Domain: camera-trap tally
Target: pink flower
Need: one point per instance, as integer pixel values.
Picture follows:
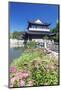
(19, 75)
(13, 69)
(22, 74)
(13, 80)
(25, 74)
(22, 83)
(30, 83)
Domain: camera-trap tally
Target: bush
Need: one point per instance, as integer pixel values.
(31, 44)
(34, 68)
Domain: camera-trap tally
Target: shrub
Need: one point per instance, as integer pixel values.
(34, 68)
(31, 44)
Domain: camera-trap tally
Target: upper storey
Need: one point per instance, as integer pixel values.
(38, 25)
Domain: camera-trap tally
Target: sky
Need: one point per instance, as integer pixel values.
(21, 13)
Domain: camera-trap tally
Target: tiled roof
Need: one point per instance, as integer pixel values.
(40, 32)
(38, 21)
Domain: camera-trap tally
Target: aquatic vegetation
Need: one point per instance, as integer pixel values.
(35, 67)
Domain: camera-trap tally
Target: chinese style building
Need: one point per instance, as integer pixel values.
(36, 30)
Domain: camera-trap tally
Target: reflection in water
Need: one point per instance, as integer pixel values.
(15, 53)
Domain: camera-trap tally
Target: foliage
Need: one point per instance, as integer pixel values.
(31, 44)
(56, 31)
(34, 68)
(10, 35)
(45, 37)
(16, 35)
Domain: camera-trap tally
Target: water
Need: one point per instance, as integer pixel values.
(15, 53)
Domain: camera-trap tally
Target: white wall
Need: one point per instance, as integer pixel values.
(38, 29)
(16, 43)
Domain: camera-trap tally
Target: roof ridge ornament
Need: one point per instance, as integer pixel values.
(38, 21)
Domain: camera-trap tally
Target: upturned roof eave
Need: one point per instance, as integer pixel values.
(44, 24)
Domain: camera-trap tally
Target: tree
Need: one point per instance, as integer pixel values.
(17, 35)
(56, 31)
(45, 37)
(10, 36)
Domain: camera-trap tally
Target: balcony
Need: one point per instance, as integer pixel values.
(39, 29)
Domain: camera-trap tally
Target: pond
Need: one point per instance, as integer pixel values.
(15, 53)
